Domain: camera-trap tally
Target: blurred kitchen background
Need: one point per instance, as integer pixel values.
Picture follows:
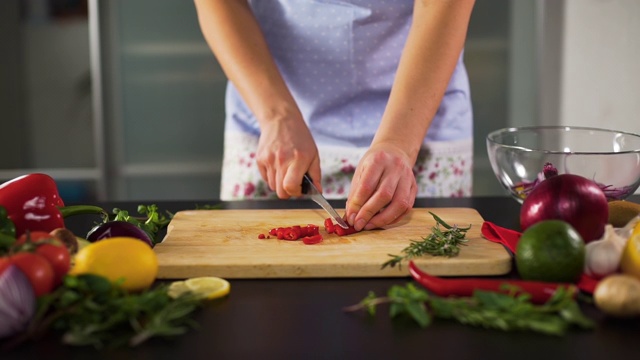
(123, 100)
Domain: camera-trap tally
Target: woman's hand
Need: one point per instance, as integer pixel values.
(286, 151)
(383, 188)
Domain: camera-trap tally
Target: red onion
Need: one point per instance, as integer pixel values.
(571, 198)
(116, 229)
(17, 301)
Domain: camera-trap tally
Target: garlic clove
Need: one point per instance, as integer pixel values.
(603, 255)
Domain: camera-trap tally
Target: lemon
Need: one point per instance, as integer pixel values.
(550, 250)
(127, 261)
(630, 260)
(205, 287)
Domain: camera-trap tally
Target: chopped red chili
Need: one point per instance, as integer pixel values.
(329, 227)
(310, 233)
(291, 234)
(311, 230)
(313, 239)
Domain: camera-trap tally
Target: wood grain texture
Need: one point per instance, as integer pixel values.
(225, 243)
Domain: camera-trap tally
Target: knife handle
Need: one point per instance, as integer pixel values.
(306, 180)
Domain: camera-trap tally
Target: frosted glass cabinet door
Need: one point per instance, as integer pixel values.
(166, 94)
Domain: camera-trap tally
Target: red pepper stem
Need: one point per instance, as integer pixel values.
(71, 210)
(539, 291)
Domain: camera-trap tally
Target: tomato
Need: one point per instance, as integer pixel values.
(37, 269)
(58, 256)
(34, 236)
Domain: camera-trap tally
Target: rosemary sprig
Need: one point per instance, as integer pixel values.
(440, 242)
(491, 310)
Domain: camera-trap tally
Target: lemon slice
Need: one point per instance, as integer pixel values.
(206, 287)
(176, 289)
(630, 260)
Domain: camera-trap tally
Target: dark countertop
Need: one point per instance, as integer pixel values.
(302, 318)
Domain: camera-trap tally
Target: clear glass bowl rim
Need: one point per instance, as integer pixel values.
(565, 128)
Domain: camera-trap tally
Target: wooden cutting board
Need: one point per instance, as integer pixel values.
(225, 243)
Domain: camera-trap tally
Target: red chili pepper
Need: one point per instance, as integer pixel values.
(291, 234)
(261, 236)
(540, 291)
(32, 203)
(340, 231)
(313, 239)
(297, 230)
(312, 230)
(329, 227)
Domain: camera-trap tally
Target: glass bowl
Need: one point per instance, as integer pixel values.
(522, 157)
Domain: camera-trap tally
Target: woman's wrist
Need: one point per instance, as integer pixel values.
(277, 111)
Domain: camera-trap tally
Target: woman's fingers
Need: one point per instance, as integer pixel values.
(401, 203)
(363, 186)
(382, 191)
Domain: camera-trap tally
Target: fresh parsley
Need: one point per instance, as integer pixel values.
(89, 310)
(491, 310)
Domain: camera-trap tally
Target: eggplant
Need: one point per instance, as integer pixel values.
(117, 229)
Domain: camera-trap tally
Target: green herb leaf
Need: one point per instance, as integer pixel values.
(491, 310)
(439, 243)
(88, 310)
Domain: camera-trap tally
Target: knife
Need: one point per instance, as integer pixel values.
(309, 189)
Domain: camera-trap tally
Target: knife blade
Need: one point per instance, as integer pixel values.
(309, 189)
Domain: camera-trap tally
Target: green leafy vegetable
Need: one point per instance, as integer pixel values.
(492, 310)
(440, 242)
(151, 221)
(7, 231)
(89, 310)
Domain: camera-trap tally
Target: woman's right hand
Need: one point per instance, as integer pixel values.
(286, 151)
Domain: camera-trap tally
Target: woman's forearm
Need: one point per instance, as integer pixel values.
(429, 58)
(234, 36)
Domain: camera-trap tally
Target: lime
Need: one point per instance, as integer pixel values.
(552, 251)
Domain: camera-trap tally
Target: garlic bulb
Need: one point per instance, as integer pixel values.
(603, 255)
(626, 231)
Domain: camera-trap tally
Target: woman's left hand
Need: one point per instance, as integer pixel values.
(383, 188)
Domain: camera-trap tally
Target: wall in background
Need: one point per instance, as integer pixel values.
(600, 64)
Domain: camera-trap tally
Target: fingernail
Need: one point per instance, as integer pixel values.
(360, 224)
(352, 219)
(369, 226)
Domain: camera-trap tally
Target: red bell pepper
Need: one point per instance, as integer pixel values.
(32, 203)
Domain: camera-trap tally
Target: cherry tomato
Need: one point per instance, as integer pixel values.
(34, 236)
(58, 256)
(37, 269)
